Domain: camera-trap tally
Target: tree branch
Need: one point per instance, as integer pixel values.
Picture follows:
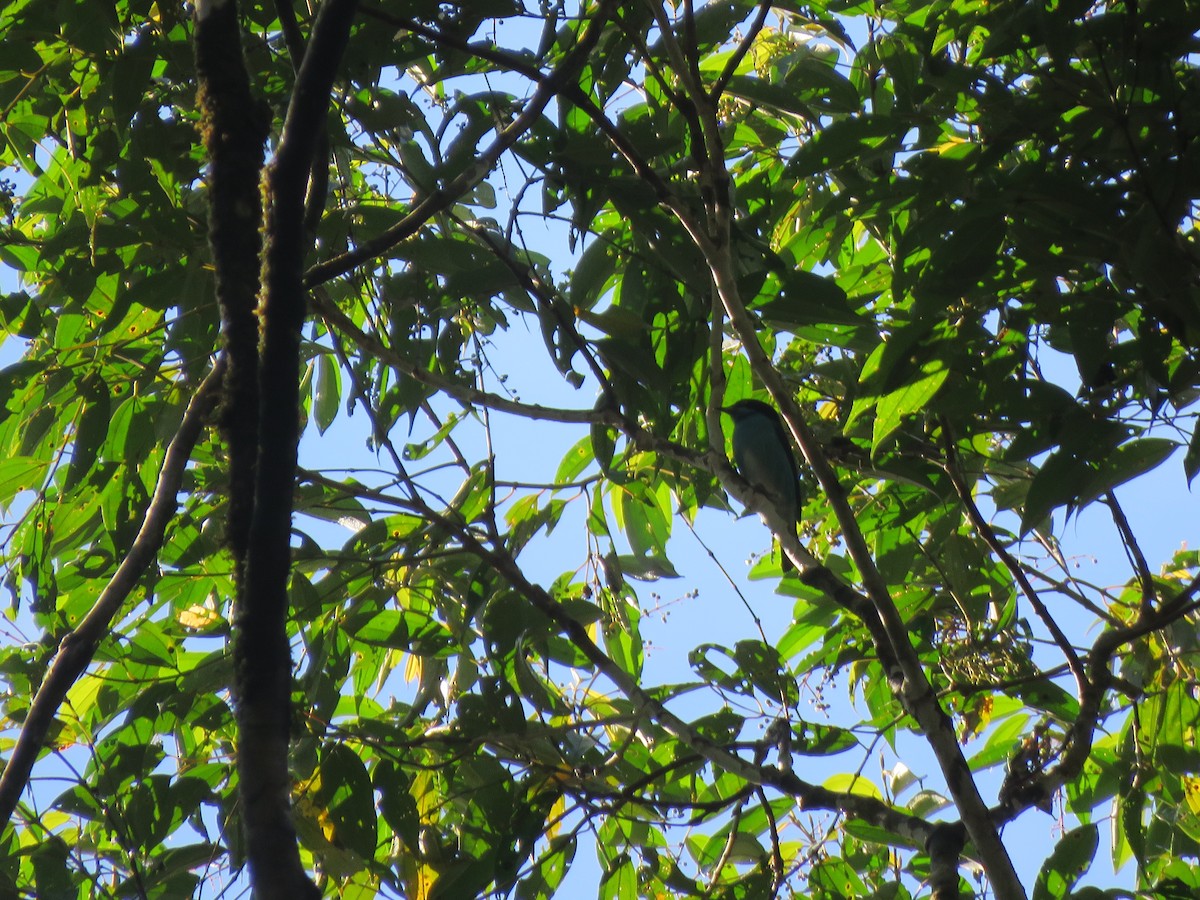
(464, 393)
(743, 47)
(781, 778)
(543, 294)
(77, 648)
(981, 525)
(235, 128)
(1079, 738)
(262, 654)
(443, 197)
(1136, 558)
(907, 677)
(812, 572)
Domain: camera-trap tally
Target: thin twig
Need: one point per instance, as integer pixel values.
(1078, 741)
(810, 796)
(760, 18)
(953, 469)
(442, 198)
(1134, 551)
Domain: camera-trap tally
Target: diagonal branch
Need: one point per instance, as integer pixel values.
(814, 574)
(909, 682)
(78, 647)
(760, 18)
(1134, 551)
(908, 679)
(442, 198)
(781, 778)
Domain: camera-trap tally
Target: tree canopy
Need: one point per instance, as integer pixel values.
(954, 243)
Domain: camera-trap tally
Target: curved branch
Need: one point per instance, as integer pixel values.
(78, 647)
(1079, 738)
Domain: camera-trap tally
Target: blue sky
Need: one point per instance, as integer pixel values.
(702, 606)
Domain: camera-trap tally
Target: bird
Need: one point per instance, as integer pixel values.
(763, 455)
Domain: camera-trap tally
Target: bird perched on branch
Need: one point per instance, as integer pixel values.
(763, 454)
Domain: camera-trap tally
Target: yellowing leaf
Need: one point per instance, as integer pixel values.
(199, 616)
(1191, 786)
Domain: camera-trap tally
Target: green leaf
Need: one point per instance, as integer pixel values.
(438, 253)
(643, 517)
(90, 430)
(808, 299)
(800, 636)
(815, 739)
(1191, 461)
(406, 630)
(711, 672)
(851, 783)
(475, 494)
(1126, 463)
(835, 877)
(604, 446)
(347, 799)
(762, 663)
(926, 803)
(593, 273)
(619, 879)
(844, 141)
(646, 568)
(1058, 482)
(914, 397)
(396, 802)
(18, 474)
(815, 79)
(772, 96)
(1048, 696)
(574, 461)
(1071, 858)
(624, 645)
(1001, 743)
(327, 392)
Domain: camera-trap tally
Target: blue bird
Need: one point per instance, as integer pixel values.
(763, 454)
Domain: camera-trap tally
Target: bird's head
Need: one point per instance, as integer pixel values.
(745, 410)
